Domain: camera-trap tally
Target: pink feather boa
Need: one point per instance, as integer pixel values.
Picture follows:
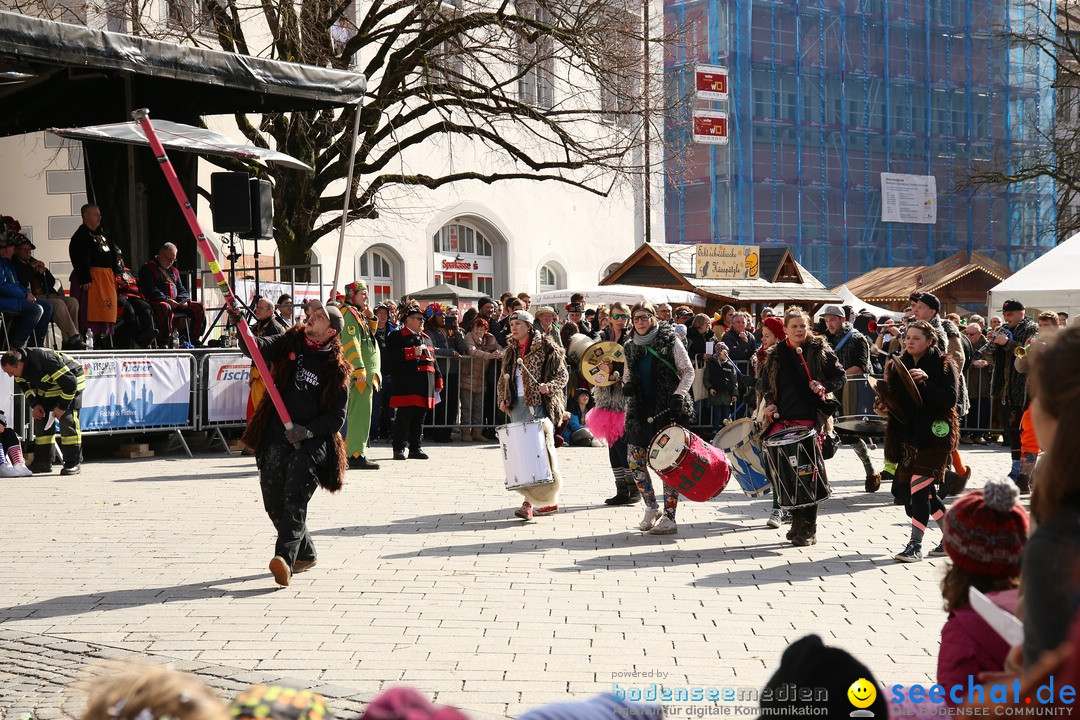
(608, 425)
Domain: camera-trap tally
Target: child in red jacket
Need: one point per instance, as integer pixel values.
(985, 532)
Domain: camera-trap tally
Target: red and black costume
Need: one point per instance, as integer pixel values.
(410, 361)
(159, 285)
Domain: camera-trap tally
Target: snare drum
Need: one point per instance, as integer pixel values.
(688, 464)
(743, 447)
(796, 467)
(525, 454)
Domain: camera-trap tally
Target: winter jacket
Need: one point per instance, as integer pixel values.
(723, 377)
(783, 381)
(969, 646)
(657, 388)
(544, 362)
(740, 351)
(1006, 383)
(410, 361)
(12, 293)
(475, 365)
(50, 378)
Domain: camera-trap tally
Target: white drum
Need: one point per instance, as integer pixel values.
(525, 454)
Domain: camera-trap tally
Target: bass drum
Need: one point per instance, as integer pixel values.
(688, 464)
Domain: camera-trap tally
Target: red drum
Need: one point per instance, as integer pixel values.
(688, 464)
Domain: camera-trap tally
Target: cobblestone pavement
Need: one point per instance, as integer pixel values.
(425, 578)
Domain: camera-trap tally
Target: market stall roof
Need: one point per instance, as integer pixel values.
(667, 265)
(629, 294)
(895, 284)
(56, 74)
(177, 136)
(446, 291)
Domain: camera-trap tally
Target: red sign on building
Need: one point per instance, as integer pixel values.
(711, 82)
(710, 127)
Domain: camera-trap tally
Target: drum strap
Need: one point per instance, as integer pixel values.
(843, 341)
(664, 360)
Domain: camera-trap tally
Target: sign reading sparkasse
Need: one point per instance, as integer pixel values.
(728, 262)
(460, 265)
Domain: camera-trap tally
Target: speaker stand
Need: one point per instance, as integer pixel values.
(232, 257)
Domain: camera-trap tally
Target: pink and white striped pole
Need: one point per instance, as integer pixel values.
(142, 116)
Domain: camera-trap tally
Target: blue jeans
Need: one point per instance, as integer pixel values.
(523, 413)
(33, 319)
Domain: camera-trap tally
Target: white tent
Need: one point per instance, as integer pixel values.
(850, 298)
(1051, 282)
(608, 294)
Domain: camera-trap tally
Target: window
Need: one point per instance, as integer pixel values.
(549, 278)
(377, 271)
(536, 61)
(191, 16)
(461, 239)
(620, 87)
(485, 285)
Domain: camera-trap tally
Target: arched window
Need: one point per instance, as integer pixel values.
(550, 277)
(463, 257)
(610, 269)
(378, 272)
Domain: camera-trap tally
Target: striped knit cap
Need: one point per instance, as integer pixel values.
(985, 530)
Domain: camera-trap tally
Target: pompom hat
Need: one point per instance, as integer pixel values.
(985, 530)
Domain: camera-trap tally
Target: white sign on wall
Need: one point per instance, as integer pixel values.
(227, 387)
(908, 198)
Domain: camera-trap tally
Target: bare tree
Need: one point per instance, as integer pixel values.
(545, 90)
(1044, 40)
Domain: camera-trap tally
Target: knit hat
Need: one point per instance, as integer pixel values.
(434, 309)
(775, 325)
(985, 530)
(355, 287)
(809, 663)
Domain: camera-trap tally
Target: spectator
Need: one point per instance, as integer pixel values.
(93, 278)
(1063, 319)
(34, 276)
(285, 309)
(590, 321)
(696, 338)
(545, 322)
(976, 423)
(740, 341)
(727, 312)
(266, 324)
(481, 348)
(722, 384)
(569, 330)
(526, 300)
(683, 315)
(1049, 577)
(139, 692)
(995, 323)
(1009, 383)
(501, 330)
(33, 316)
(663, 312)
(576, 314)
(449, 346)
(137, 324)
(985, 532)
(160, 282)
(768, 312)
(487, 309)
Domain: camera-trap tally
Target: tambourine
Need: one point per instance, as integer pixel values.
(596, 355)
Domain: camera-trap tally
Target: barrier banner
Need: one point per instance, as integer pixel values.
(227, 387)
(131, 392)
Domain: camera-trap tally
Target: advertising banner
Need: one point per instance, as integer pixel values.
(711, 82)
(132, 392)
(908, 198)
(710, 127)
(227, 388)
(728, 262)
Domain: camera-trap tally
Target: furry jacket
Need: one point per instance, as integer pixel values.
(921, 439)
(823, 365)
(283, 370)
(669, 400)
(546, 362)
(1006, 382)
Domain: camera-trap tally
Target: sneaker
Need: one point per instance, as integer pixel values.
(666, 526)
(21, 470)
(776, 519)
(912, 553)
(549, 510)
(301, 565)
(280, 569)
(525, 512)
(651, 516)
(74, 469)
(8, 471)
(938, 551)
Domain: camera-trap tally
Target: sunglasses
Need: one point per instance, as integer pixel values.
(619, 316)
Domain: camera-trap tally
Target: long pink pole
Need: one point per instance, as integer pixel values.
(142, 116)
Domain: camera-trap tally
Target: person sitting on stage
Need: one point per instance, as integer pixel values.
(138, 325)
(160, 282)
(657, 378)
(33, 314)
(533, 387)
(796, 377)
(922, 432)
(36, 278)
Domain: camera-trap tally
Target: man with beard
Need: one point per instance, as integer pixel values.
(853, 351)
(1010, 383)
(312, 375)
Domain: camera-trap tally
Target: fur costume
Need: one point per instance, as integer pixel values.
(639, 431)
(909, 437)
(607, 420)
(546, 362)
(282, 372)
(819, 359)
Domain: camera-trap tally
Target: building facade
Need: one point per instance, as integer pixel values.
(825, 95)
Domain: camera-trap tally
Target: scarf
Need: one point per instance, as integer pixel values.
(647, 338)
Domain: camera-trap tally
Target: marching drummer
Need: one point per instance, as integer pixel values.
(533, 387)
(657, 379)
(795, 378)
(923, 429)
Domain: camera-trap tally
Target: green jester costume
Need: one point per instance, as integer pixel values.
(362, 352)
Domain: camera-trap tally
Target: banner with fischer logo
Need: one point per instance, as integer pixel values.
(228, 380)
(135, 392)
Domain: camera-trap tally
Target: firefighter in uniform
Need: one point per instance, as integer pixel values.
(53, 384)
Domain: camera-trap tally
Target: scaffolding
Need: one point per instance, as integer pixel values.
(827, 94)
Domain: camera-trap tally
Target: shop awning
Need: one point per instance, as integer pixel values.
(186, 138)
(56, 74)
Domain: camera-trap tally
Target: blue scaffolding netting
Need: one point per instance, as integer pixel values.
(825, 95)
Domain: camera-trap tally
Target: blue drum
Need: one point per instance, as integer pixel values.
(741, 443)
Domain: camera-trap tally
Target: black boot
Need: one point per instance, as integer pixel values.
(626, 492)
(807, 536)
(796, 528)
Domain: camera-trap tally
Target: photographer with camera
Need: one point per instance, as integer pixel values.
(1007, 382)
